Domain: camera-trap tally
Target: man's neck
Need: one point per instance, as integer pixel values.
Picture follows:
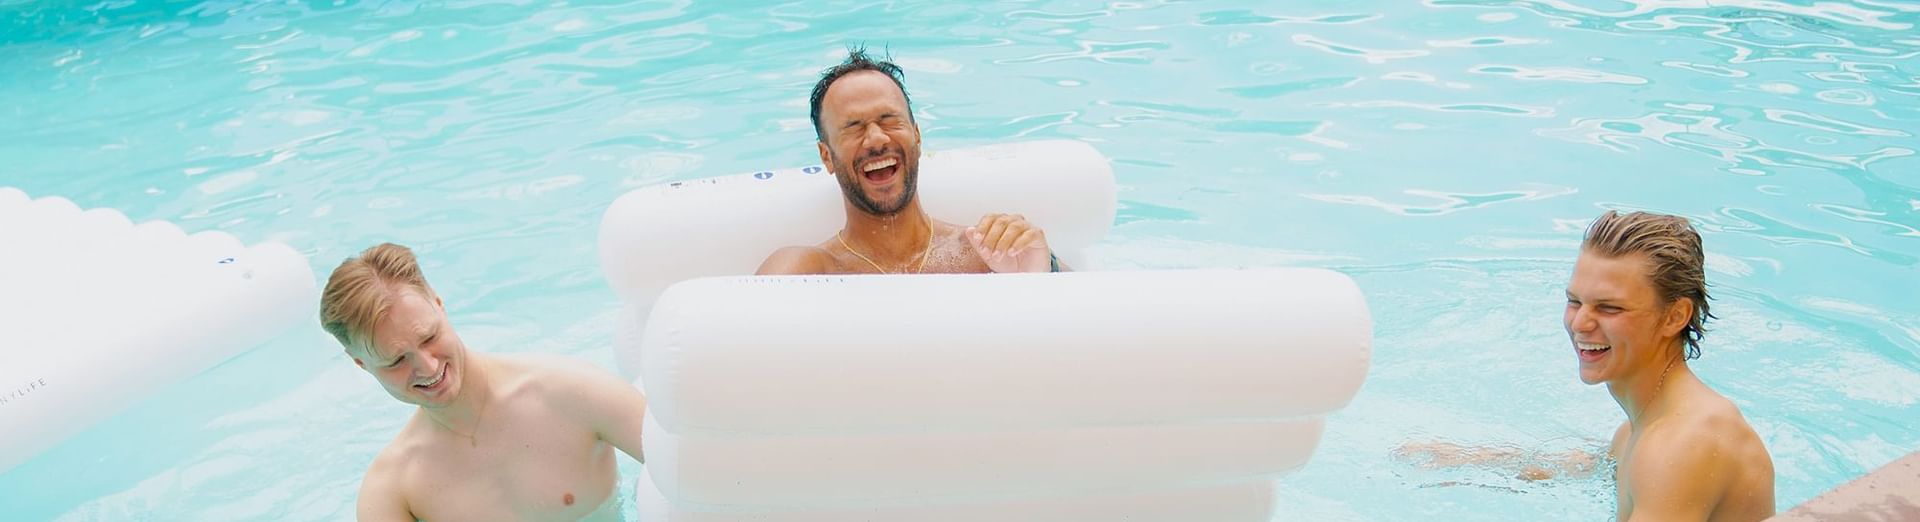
(890, 238)
(1638, 394)
(462, 416)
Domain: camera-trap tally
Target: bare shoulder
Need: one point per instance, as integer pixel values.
(593, 398)
(562, 380)
(1704, 436)
(383, 491)
(796, 260)
(1740, 446)
(547, 364)
(1713, 419)
(389, 465)
(400, 456)
(545, 371)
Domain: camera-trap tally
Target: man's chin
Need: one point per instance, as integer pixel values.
(1591, 377)
(874, 208)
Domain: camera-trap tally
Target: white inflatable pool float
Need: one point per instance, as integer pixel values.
(656, 236)
(98, 313)
(1148, 395)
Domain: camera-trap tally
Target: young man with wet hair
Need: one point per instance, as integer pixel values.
(1636, 312)
(1635, 315)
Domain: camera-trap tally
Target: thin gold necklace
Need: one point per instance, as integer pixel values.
(924, 254)
(471, 439)
(1662, 383)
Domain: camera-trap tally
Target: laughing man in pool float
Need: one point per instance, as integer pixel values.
(868, 138)
(1636, 311)
(494, 438)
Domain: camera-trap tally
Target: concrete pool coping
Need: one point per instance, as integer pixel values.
(1887, 494)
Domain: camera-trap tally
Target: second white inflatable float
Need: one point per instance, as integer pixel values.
(98, 312)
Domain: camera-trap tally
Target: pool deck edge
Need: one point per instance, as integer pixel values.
(1887, 494)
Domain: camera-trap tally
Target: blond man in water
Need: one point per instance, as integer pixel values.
(1636, 311)
(494, 437)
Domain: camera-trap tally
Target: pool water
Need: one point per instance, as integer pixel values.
(1446, 154)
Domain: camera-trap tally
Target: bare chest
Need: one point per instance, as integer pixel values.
(947, 255)
(530, 469)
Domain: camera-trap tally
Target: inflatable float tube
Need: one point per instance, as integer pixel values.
(1140, 395)
(794, 398)
(99, 313)
(653, 237)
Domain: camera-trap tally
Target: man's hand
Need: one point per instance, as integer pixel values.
(1008, 243)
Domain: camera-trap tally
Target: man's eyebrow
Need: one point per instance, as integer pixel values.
(381, 359)
(1608, 299)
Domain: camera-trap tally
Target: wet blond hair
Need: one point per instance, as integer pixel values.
(1676, 263)
(360, 291)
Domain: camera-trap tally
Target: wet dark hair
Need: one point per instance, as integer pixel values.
(857, 60)
(1676, 263)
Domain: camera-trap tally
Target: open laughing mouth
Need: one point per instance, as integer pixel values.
(434, 385)
(880, 170)
(1590, 352)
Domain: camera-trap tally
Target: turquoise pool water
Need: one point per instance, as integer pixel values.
(1445, 153)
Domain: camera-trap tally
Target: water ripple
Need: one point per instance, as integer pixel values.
(1274, 90)
(1484, 41)
(1245, 17)
(1491, 108)
(1565, 74)
(1823, 123)
(1758, 224)
(1374, 56)
(1124, 53)
(1445, 202)
(1711, 135)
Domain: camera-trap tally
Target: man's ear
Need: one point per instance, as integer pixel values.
(826, 156)
(1679, 313)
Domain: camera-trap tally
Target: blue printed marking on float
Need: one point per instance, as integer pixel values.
(812, 170)
(226, 261)
(762, 175)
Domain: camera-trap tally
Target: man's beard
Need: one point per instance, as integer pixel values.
(909, 169)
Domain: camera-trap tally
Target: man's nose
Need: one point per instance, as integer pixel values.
(1582, 320)
(426, 367)
(874, 139)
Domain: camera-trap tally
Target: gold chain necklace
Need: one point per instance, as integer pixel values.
(471, 439)
(924, 255)
(1663, 381)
